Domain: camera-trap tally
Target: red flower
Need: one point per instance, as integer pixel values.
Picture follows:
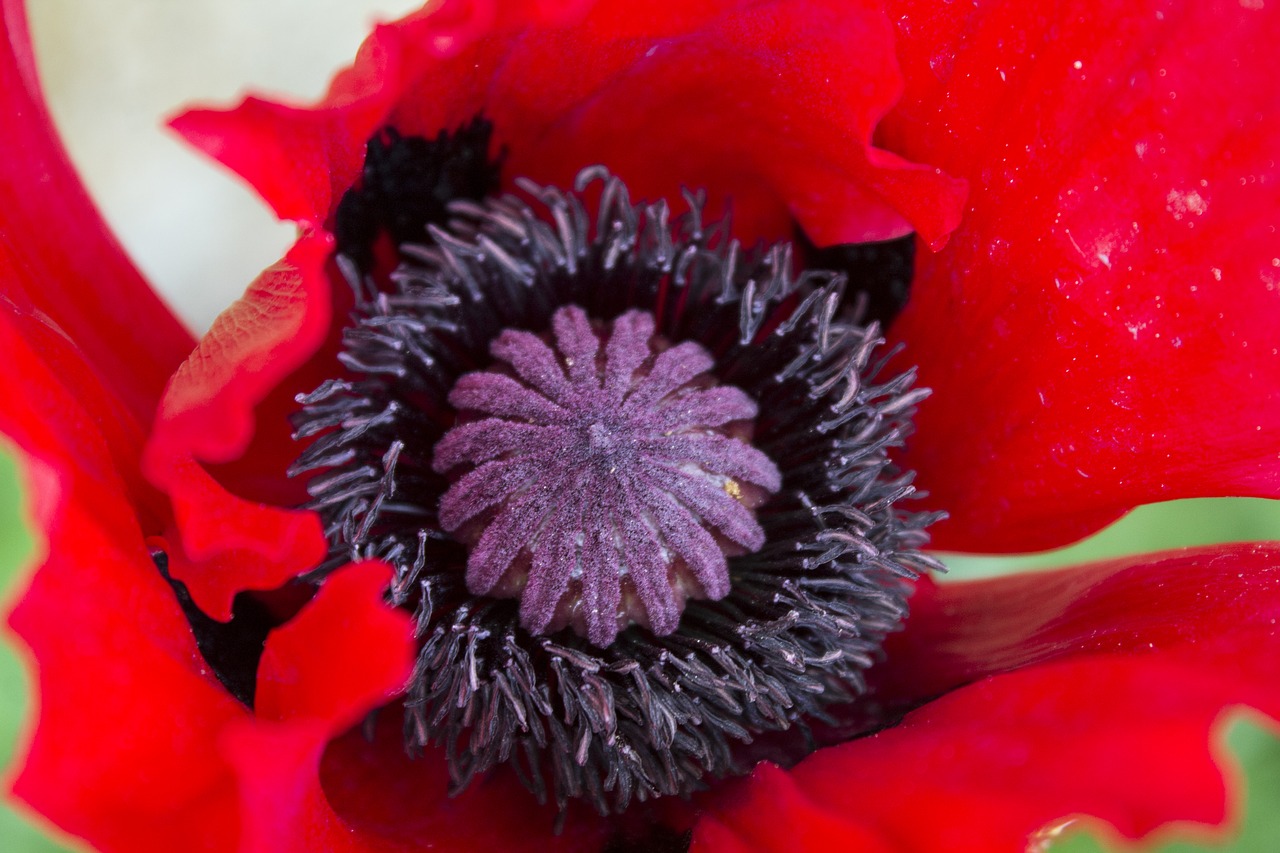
(1097, 325)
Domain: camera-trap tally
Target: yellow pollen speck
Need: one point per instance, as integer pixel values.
(733, 489)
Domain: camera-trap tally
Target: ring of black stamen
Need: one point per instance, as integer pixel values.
(882, 271)
(806, 615)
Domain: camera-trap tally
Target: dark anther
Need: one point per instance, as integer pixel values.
(232, 649)
(880, 273)
(406, 184)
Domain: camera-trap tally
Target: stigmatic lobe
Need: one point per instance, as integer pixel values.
(608, 481)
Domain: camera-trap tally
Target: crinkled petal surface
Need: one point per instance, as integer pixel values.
(137, 747)
(302, 790)
(1101, 331)
(1085, 691)
(235, 378)
(302, 159)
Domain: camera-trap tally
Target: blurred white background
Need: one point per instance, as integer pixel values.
(113, 70)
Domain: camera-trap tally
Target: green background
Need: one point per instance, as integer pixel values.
(1149, 528)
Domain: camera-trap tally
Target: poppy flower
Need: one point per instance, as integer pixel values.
(281, 562)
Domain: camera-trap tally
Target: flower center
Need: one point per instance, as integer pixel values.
(634, 482)
(607, 485)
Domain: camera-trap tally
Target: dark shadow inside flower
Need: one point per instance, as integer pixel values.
(233, 648)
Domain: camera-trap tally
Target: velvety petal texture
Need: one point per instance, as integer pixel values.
(301, 159)
(1196, 604)
(226, 542)
(1101, 331)
(133, 748)
(1091, 691)
(80, 388)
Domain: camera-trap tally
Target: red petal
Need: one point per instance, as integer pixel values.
(752, 823)
(59, 258)
(404, 802)
(345, 654)
(1214, 604)
(223, 544)
(1100, 332)
(766, 103)
(58, 405)
(116, 656)
(770, 104)
(422, 74)
(116, 661)
(299, 161)
(228, 543)
(988, 767)
(106, 761)
(1095, 690)
(1099, 687)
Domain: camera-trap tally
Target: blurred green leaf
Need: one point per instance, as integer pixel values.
(16, 547)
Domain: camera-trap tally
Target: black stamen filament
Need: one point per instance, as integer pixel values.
(441, 266)
(739, 678)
